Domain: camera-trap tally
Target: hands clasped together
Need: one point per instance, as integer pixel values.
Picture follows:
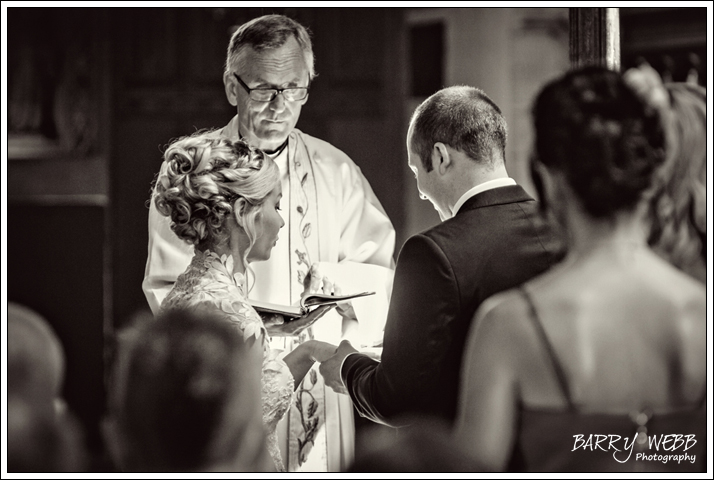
(328, 355)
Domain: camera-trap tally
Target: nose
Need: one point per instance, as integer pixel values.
(282, 221)
(278, 103)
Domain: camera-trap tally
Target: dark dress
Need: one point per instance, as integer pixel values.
(546, 438)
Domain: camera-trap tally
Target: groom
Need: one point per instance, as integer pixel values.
(490, 239)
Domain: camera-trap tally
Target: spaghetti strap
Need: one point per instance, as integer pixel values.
(559, 373)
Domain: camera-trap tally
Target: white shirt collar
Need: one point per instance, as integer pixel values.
(482, 187)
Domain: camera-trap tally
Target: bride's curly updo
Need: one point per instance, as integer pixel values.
(594, 129)
(204, 178)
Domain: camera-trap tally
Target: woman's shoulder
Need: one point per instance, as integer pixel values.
(503, 318)
(504, 306)
(674, 288)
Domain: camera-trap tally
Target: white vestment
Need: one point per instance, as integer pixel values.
(333, 218)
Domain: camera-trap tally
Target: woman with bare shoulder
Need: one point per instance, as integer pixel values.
(588, 366)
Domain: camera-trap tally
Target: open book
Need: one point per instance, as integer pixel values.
(306, 303)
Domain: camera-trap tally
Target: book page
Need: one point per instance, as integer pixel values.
(313, 299)
(371, 311)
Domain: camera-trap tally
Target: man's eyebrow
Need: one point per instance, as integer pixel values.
(265, 84)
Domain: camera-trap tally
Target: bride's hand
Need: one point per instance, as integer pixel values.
(321, 351)
(278, 327)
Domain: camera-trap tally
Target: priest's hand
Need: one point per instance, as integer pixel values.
(316, 282)
(330, 368)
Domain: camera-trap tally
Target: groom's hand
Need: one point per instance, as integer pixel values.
(330, 368)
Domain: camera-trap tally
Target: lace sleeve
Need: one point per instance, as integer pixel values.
(278, 386)
(276, 379)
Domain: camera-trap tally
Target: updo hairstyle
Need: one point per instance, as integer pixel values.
(678, 213)
(204, 178)
(591, 127)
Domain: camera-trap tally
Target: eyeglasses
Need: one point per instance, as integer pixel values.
(291, 94)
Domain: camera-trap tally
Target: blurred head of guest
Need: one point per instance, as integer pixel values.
(42, 435)
(269, 68)
(221, 195)
(456, 140)
(186, 397)
(596, 143)
(427, 446)
(40, 441)
(35, 359)
(678, 206)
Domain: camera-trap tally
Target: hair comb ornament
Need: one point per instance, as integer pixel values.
(256, 160)
(248, 157)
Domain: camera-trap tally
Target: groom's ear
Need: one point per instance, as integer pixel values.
(440, 158)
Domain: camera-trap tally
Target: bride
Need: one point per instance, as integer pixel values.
(224, 198)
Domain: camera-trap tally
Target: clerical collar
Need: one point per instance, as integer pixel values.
(275, 153)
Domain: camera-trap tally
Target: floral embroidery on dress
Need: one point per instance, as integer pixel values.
(209, 280)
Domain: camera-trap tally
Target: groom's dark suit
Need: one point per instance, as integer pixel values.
(495, 242)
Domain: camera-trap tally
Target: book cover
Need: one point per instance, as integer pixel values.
(307, 302)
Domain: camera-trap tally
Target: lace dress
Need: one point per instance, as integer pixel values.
(209, 280)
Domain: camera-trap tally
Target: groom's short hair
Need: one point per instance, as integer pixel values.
(464, 118)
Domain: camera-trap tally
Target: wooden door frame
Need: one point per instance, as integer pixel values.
(595, 37)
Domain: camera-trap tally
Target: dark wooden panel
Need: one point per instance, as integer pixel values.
(136, 159)
(672, 40)
(645, 29)
(595, 37)
(56, 88)
(146, 46)
(203, 35)
(55, 266)
(426, 52)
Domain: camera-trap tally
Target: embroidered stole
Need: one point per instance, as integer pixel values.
(306, 427)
